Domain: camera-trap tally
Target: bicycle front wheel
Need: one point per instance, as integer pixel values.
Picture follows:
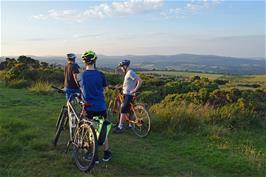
(85, 147)
(142, 122)
(61, 122)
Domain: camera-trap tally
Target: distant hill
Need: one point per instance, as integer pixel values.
(186, 62)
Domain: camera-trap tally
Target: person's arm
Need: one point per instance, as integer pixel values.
(104, 82)
(137, 79)
(138, 84)
(75, 74)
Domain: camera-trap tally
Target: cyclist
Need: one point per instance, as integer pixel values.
(71, 72)
(92, 84)
(132, 83)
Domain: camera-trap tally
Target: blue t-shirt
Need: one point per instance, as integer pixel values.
(92, 83)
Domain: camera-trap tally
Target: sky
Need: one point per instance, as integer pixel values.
(133, 27)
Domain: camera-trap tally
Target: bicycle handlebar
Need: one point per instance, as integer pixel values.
(115, 87)
(58, 89)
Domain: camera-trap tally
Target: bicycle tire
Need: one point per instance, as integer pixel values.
(77, 145)
(60, 127)
(143, 122)
(59, 117)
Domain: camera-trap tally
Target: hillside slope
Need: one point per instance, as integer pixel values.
(27, 125)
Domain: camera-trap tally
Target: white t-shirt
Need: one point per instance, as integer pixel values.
(130, 82)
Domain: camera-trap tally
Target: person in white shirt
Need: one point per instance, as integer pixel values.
(132, 83)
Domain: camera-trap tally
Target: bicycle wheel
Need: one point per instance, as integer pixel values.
(85, 147)
(142, 124)
(59, 117)
(114, 112)
(61, 122)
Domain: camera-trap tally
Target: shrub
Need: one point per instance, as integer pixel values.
(42, 87)
(230, 108)
(220, 81)
(18, 83)
(180, 118)
(150, 97)
(2, 75)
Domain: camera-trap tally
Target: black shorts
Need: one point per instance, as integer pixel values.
(126, 104)
(91, 114)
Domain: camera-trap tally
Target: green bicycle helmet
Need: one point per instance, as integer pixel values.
(89, 57)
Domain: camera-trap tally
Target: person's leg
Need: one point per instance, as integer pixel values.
(107, 153)
(125, 109)
(70, 91)
(122, 120)
(67, 91)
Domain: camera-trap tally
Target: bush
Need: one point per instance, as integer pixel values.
(229, 108)
(150, 97)
(2, 75)
(43, 87)
(220, 81)
(18, 83)
(180, 118)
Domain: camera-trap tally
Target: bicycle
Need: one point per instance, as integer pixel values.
(138, 117)
(82, 133)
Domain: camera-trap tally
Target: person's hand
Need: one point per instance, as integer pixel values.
(132, 92)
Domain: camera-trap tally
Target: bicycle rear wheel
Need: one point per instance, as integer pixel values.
(114, 112)
(61, 122)
(142, 124)
(85, 147)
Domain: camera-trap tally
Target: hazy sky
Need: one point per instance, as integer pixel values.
(138, 27)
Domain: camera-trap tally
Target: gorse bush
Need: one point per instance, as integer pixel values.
(30, 70)
(180, 118)
(231, 108)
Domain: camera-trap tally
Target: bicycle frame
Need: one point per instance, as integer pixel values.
(70, 110)
(119, 97)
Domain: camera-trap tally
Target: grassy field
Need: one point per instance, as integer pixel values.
(185, 74)
(27, 123)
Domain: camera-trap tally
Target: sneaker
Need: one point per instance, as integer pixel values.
(97, 161)
(130, 126)
(118, 130)
(107, 156)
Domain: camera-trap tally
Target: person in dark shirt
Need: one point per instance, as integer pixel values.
(71, 72)
(92, 84)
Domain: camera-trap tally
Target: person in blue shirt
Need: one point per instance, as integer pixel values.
(93, 83)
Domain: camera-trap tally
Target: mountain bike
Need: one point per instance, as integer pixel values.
(138, 117)
(82, 133)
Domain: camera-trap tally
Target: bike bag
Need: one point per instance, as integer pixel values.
(102, 129)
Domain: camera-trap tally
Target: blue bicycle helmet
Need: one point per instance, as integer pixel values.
(71, 56)
(124, 63)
